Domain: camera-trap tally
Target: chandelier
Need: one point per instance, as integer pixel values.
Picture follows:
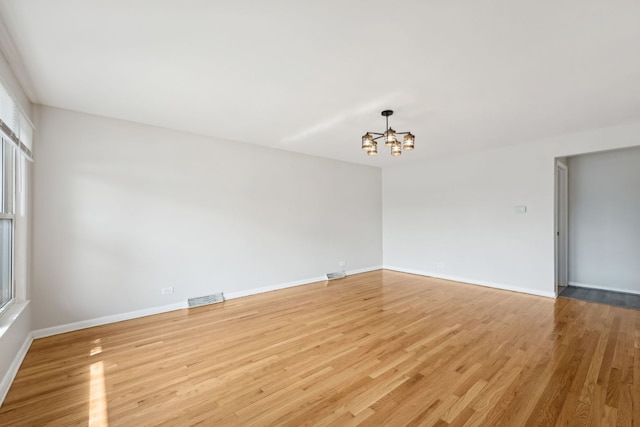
(390, 136)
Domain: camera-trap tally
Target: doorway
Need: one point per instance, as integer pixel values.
(562, 226)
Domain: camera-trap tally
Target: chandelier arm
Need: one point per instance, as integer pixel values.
(402, 133)
(375, 133)
(378, 137)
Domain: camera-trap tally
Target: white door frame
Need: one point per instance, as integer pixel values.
(561, 230)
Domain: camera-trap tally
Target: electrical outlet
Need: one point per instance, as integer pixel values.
(168, 290)
(342, 263)
(440, 264)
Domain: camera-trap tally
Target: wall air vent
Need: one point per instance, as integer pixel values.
(205, 300)
(336, 275)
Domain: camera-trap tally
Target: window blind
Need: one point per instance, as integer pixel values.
(14, 123)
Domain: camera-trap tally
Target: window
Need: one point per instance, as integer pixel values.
(15, 148)
(6, 261)
(7, 220)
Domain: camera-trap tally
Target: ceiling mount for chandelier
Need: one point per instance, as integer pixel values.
(390, 136)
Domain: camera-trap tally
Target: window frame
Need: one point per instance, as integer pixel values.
(16, 143)
(12, 263)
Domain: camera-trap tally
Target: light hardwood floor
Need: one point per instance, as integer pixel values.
(380, 348)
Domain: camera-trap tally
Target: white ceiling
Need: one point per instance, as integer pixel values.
(312, 76)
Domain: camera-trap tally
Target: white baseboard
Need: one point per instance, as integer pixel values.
(5, 384)
(254, 291)
(363, 270)
(604, 288)
(473, 281)
(83, 324)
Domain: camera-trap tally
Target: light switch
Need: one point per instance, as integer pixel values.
(521, 209)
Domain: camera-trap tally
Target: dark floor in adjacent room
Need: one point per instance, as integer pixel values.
(618, 299)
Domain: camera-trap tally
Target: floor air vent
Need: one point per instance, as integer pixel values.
(207, 299)
(336, 275)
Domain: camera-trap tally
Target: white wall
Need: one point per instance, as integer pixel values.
(122, 210)
(604, 220)
(454, 217)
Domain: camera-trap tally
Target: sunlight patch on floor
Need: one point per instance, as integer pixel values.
(98, 416)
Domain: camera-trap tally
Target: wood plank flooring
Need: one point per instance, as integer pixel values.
(379, 348)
